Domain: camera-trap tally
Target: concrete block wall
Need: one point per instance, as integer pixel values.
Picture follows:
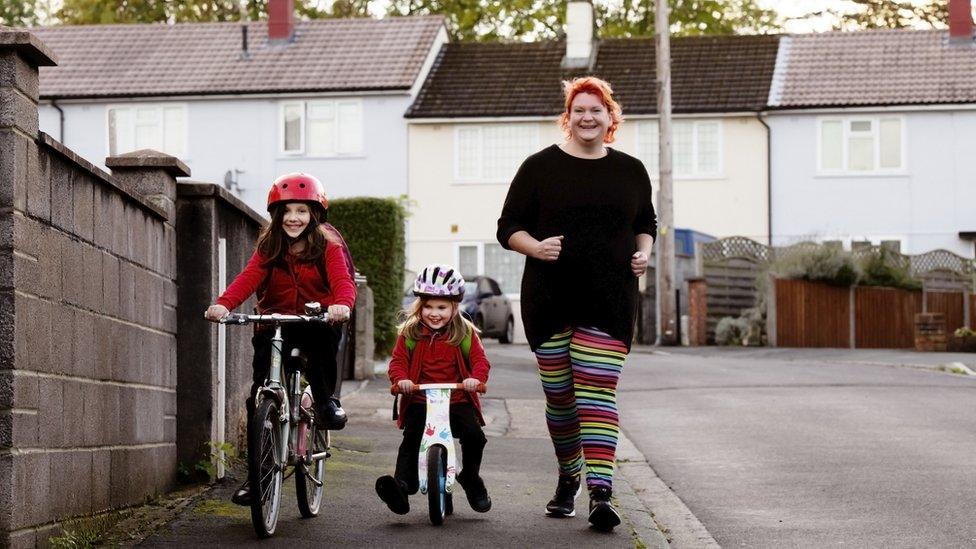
(87, 319)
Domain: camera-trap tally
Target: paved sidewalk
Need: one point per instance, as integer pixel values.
(518, 471)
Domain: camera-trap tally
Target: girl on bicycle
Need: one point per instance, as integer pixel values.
(429, 350)
(299, 259)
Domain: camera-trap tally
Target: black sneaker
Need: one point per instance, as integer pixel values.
(330, 415)
(475, 491)
(243, 495)
(562, 503)
(603, 516)
(394, 494)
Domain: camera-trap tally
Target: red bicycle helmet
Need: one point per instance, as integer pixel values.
(297, 187)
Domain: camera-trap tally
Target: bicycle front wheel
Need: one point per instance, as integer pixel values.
(311, 474)
(265, 469)
(437, 484)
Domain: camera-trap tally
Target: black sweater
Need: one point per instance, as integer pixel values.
(599, 206)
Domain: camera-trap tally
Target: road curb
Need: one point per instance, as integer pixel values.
(675, 523)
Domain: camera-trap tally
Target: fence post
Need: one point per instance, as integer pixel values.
(771, 310)
(852, 334)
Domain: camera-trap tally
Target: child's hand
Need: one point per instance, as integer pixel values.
(471, 384)
(338, 313)
(405, 386)
(215, 313)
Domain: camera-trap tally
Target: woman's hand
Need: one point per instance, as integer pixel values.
(470, 384)
(638, 263)
(549, 249)
(215, 313)
(405, 386)
(338, 313)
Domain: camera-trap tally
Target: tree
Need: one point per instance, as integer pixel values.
(19, 13)
(894, 14)
(523, 19)
(78, 12)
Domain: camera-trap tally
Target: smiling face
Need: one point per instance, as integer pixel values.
(296, 218)
(437, 313)
(588, 119)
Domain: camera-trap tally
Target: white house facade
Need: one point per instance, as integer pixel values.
(873, 136)
(329, 101)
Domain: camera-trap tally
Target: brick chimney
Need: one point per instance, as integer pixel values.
(580, 42)
(281, 21)
(960, 21)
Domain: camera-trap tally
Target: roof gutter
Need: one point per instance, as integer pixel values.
(54, 103)
(769, 178)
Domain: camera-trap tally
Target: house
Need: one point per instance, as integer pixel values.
(241, 103)
(486, 106)
(873, 136)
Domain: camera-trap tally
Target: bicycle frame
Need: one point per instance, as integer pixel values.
(437, 431)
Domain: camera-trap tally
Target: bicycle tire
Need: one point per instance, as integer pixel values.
(436, 484)
(309, 493)
(265, 470)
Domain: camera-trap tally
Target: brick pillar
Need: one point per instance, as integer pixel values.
(152, 174)
(697, 312)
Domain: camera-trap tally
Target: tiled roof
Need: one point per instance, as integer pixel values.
(709, 74)
(205, 58)
(882, 67)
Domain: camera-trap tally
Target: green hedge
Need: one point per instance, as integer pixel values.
(373, 229)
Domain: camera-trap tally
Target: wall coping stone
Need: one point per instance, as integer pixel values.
(28, 45)
(149, 158)
(71, 156)
(192, 189)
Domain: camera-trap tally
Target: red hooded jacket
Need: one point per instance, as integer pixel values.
(290, 289)
(433, 349)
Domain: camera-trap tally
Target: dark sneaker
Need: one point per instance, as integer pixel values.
(563, 503)
(330, 415)
(603, 516)
(477, 494)
(243, 495)
(394, 494)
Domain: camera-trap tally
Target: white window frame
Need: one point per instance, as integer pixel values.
(481, 261)
(481, 178)
(303, 135)
(281, 128)
(846, 122)
(185, 138)
(695, 174)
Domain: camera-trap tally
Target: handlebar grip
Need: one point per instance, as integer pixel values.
(233, 318)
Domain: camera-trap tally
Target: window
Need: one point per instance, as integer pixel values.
(492, 153)
(157, 127)
(861, 145)
(322, 127)
(696, 148)
(490, 259)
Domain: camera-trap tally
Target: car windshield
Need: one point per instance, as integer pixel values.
(470, 290)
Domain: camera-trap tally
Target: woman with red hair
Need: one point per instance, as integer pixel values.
(581, 213)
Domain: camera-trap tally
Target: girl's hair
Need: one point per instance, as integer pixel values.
(273, 243)
(602, 90)
(457, 328)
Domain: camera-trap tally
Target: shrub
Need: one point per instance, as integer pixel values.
(731, 331)
(373, 228)
(881, 267)
(818, 263)
(964, 332)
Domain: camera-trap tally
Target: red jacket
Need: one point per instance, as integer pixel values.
(289, 289)
(434, 347)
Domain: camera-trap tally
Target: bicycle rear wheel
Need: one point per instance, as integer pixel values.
(437, 484)
(265, 469)
(310, 492)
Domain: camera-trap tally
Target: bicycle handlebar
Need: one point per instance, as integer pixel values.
(395, 389)
(273, 318)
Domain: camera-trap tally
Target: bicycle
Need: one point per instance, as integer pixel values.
(437, 464)
(282, 431)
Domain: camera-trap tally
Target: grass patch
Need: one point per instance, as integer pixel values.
(222, 508)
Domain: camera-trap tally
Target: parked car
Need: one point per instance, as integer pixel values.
(485, 305)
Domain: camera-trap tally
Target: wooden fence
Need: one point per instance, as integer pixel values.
(884, 318)
(810, 314)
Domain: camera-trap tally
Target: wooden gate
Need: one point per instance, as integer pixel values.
(884, 318)
(812, 314)
(951, 304)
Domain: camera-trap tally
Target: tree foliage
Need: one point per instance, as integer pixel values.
(18, 13)
(886, 14)
(488, 20)
(78, 12)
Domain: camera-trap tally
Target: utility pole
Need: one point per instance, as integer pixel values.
(666, 302)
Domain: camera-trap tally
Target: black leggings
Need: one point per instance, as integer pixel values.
(464, 426)
(318, 342)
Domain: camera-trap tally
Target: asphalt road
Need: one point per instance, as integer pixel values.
(809, 449)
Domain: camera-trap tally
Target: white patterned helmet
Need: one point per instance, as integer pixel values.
(439, 280)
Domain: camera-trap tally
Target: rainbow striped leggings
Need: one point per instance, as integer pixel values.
(579, 369)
